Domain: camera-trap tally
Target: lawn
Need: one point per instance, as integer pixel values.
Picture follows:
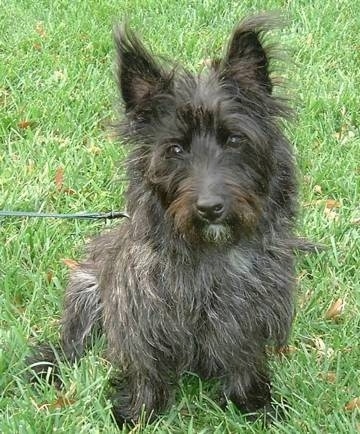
(57, 154)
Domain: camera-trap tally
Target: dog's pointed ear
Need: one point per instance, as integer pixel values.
(247, 60)
(139, 76)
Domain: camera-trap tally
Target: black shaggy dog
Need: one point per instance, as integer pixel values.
(201, 277)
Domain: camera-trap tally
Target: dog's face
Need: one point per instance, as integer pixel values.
(204, 144)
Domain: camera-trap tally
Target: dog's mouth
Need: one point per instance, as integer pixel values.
(216, 233)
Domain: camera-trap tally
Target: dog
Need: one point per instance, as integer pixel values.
(201, 277)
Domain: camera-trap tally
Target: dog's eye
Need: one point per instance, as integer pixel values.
(174, 150)
(234, 141)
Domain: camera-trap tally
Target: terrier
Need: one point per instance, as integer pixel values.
(201, 277)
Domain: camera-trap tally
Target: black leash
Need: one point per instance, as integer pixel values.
(84, 215)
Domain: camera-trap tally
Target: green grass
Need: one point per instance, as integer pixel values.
(56, 73)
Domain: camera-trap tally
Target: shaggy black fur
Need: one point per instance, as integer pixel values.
(201, 278)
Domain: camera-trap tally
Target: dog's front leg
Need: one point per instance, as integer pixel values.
(138, 393)
(248, 390)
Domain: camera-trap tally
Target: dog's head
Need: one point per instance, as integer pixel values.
(204, 144)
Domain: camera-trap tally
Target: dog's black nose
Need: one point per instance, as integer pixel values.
(210, 208)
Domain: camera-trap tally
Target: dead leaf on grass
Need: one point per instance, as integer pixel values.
(61, 402)
(336, 309)
(69, 191)
(330, 376)
(70, 263)
(59, 178)
(25, 124)
(332, 203)
(329, 204)
(49, 276)
(345, 134)
(353, 404)
(59, 182)
(322, 349)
